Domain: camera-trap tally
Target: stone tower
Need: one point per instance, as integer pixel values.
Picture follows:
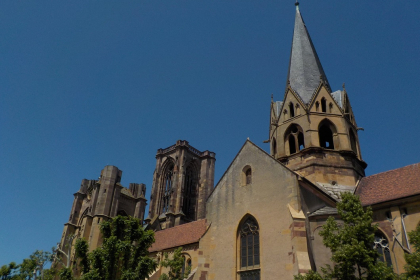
(99, 200)
(313, 130)
(182, 181)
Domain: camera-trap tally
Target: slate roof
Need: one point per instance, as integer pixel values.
(390, 185)
(278, 107)
(126, 192)
(178, 236)
(305, 69)
(335, 190)
(338, 97)
(324, 211)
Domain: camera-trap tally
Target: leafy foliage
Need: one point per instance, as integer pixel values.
(412, 267)
(8, 271)
(30, 268)
(66, 274)
(312, 275)
(176, 265)
(351, 244)
(123, 255)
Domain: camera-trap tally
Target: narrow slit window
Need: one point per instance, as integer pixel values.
(292, 110)
(324, 105)
(248, 176)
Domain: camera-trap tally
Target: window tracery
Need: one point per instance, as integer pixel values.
(382, 247)
(249, 250)
(295, 139)
(167, 189)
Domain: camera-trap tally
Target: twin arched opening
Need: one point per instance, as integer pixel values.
(294, 139)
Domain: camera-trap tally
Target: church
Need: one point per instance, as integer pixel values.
(262, 219)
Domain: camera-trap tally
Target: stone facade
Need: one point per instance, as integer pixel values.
(262, 219)
(182, 181)
(101, 199)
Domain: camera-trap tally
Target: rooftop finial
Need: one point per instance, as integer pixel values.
(297, 5)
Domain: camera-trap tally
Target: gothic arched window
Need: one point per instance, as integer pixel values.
(167, 188)
(382, 246)
(249, 255)
(326, 136)
(292, 110)
(190, 193)
(324, 105)
(295, 139)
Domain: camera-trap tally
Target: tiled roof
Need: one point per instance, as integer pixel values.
(390, 185)
(178, 236)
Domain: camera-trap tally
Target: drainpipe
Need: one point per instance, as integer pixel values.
(405, 232)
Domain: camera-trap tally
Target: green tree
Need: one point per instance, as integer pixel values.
(351, 244)
(31, 268)
(412, 267)
(8, 271)
(177, 267)
(123, 254)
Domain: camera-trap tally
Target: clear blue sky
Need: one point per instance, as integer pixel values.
(84, 84)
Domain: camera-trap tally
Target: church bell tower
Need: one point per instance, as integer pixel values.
(182, 181)
(313, 130)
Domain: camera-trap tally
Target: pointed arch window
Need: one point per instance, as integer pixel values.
(295, 139)
(326, 136)
(292, 110)
(324, 105)
(317, 106)
(382, 247)
(190, 192)
(249, 249)
(330, 106)
(167, 188)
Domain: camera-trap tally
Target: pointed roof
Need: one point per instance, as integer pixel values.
(305, 69)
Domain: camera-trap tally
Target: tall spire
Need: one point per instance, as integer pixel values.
(305, 69)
